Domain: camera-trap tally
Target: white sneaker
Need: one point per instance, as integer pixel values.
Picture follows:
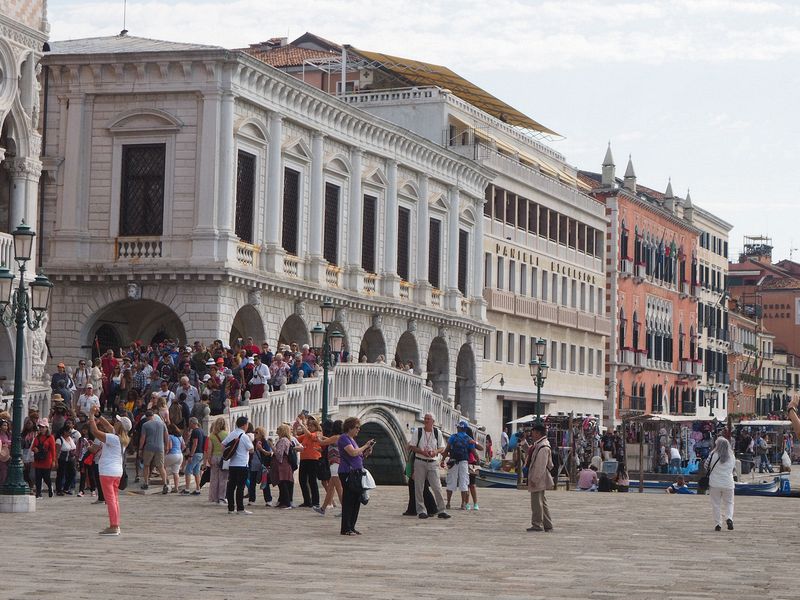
(244, 512)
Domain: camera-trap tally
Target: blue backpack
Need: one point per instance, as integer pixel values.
(459, 448)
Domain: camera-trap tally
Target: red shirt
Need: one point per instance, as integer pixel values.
(49, 443)
(108, 365)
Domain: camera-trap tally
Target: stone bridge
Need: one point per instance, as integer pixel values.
(390, 403)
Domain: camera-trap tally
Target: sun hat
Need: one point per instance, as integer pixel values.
(43, 423)
(126, 423)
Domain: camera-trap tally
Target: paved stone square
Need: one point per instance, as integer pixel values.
(605, 546)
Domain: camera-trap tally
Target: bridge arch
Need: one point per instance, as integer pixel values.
(388, 460)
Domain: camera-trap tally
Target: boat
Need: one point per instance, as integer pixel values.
(775, 486)
(492, 478)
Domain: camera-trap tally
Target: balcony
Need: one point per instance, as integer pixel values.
(626, 267)
(370, 283)
(723, 378)
(586, 321)
(686, 369)
(567, 316)
(548, 312)
(627, 357)
(247, 255)
(499, 300)
(689, 407)
(436, 297)
(527, 307)
(333, 276)
(641, 272)
(133, 248)
(697, 368)
(686, 289)
(291, 265)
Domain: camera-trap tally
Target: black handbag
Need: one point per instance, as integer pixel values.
(354, 482)
(704, 481)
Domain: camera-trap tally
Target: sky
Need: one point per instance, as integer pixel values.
(705, 92)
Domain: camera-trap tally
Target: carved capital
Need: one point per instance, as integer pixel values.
(23, 168)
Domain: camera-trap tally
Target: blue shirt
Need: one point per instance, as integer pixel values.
(176, 444)
(460, 445)
(348, 463)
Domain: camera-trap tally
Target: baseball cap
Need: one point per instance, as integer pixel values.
(462, 425)
(126, 423)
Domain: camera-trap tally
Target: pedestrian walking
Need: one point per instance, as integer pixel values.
(426, 450)
(308, 434)
(238, 446)
(113, 439)
(720, 466)
(351, 469)
(218, 482)
(459, 447)
(281, 472)
(44, 457)
(194, 456)
(540, 462)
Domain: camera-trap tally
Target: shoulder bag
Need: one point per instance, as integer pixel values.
(704, 481)
(228, 452)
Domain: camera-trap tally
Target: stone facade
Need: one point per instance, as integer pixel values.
(198, 279)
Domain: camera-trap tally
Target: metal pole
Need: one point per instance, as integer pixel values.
(641, 457)
(15, 483)
(325, 364)
(539, 383)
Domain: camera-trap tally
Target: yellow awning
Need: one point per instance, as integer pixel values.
(420, 73)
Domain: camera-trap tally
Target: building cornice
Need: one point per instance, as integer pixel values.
(714, 219)
(623, 193)
(22, 34)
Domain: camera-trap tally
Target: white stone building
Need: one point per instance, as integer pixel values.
(23, 34)
(196, 193)
(543, 237)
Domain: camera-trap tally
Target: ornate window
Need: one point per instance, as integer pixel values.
(245, 195)
(142, 192)
(291, 205)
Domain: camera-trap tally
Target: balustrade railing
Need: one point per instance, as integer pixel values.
(370, 283)
(138, 247)
(333, 275)
(291, 265)
(436, 297)
(7, 251)
(247, 254)
(405, 290)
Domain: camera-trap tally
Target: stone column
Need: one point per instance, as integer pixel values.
(422, 287)
(391, 280)
(452, 294)
(73, 184)
(273, 250)
(227, 176)
(316, 262)
(205, 230)
(24, 174)
(478, 303)
(355, 274)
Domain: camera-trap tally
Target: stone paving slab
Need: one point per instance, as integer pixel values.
(605, 546)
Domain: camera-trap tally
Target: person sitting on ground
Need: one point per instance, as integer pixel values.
(679, 487)
(587, 478)
(605, 483)
(622, 480)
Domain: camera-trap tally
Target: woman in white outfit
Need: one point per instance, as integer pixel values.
(720, 465)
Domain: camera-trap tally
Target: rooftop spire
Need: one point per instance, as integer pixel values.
(668, 194)
(608, 169)
(629, 181)
(609, 159)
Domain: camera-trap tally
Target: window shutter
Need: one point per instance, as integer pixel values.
(463, 260)
(142, 202)
(245, 192)
(435, 253)
(403, 228)
(368, 225)
(331, 231)
(291, 200)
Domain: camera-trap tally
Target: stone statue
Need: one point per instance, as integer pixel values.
(134, 291)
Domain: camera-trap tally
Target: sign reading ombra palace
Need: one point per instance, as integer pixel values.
(554, 267)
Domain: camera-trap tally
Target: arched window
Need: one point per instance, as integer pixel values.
(623, 242)
(621, 328)
(635, 331)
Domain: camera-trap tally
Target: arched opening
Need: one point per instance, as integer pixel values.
(387, 462)
(7, 142)
(438, 366)
(465, 381)
(407, 351)
(247, 323)
(144, 320)
(106, 337)
(372, 345)
(294, 330)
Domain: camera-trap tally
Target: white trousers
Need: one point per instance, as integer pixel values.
(721, 498)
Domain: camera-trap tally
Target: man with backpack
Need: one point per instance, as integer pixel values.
(427, 448)
(458, 448)
(237, 449)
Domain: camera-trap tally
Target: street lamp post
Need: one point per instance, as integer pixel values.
(539, 368)
(331, 343)
(15, 309)
(712, 394)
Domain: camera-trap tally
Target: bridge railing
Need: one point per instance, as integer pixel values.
(350, 385)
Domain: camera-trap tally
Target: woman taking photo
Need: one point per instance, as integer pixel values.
(351, 469)
(719, 466)
(65, 450)
(259, 462)
(44, 457)
(113, 441)
(281, 471)
(219, 478)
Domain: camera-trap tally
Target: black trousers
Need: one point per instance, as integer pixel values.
(253, 484)
(308, 482)
(351, 503)
(430, 502)
(285, 491)
(65, 474)
(237, 477)
(96, 478)
(43, 475)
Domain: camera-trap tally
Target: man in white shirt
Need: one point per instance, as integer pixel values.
(88, 403)
(260, 378)
(239, 466)
(427, 444)
(192, 395)
(674, 458)
(166, 393)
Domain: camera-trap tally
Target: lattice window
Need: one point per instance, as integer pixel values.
(369, 225)
(331, 232)
(245, 195)
(435, 253)
(291, 202)
(403, 241)
(142, 202)
(463, 260)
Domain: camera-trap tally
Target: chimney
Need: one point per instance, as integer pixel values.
(271, 43)
(608, 169)
(629, 182)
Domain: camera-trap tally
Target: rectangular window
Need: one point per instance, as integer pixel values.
(590, 241)
(571, 233)
(523, 279)
(553, 228)
(498, 346)
(403, 241)
(522, 213)
(487, 347)
(331, 230)
(534, 281)
(572, 353)
(521, 357)
(582, 360)
(581, 237)
(435, 254)
(142, 202)
(368, 228)
(598, 363)
(463, 260)
(500, 273)
(545, 280)
(553, 355)
(591, 299)
(600, 301)
(499, 204)
(511, 209)
(563, 356)
(583, 296)
(590, 368)
(544, 222)
(563, 228)
(291, 202)
(487, 202)
(573, 294)
(564, 291)
(510, 347)
(554, 288)
(532, 218)
(245, 195)
(512, 276)
(488, 263)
